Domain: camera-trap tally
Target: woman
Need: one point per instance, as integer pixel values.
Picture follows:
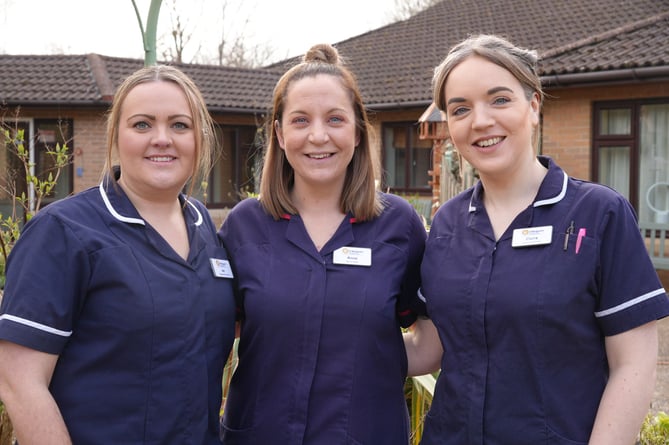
(540, 286)
(118, 313)
(327, 271)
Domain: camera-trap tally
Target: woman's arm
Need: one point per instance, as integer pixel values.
(632, 358)
(25, 375)
(423, 347)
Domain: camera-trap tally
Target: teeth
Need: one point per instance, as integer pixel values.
(320, 156)
(161, 158)
(489, 142)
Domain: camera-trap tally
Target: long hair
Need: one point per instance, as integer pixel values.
(359, 195)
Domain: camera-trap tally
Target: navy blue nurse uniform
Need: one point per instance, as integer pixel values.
(142, 334)
(523, 327)
(321, 356)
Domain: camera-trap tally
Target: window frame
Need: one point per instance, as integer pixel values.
(412, 130)
(633, 140)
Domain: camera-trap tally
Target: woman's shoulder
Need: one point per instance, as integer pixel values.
(247, 219)
(246, 208)
(74, 207)
(395, 203)
(400, 215)
(598, 194)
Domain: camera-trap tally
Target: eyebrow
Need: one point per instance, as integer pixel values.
(490, 92)
(331, 110)
(153, 117)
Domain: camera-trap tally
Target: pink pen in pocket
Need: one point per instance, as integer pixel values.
(579, 238)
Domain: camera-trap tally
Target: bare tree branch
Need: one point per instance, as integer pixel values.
(408, 8)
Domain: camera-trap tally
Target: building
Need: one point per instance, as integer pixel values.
(605, 67)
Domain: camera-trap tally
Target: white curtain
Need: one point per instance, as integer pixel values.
(654, 164)
(614, 168)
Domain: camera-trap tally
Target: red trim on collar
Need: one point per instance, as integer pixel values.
(351, 220)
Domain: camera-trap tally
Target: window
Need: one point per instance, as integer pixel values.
(236, 171)
(406, 159)
(40, 136)
(631, 154)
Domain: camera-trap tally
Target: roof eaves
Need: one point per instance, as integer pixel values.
(630, 75)
(398, 104)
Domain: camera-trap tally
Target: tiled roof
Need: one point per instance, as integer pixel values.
(579, 40)
(395, 63)
(92, 79)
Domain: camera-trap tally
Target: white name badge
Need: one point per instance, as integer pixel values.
(532, 236)
(353, 256)
(220, 268)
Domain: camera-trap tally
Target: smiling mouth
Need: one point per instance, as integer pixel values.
(320, 155)
(488, 142)
(161, 158)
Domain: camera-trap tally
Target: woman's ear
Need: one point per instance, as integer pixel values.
(279, 134)
(535, 106)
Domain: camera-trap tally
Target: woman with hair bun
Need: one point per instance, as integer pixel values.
(327, 272)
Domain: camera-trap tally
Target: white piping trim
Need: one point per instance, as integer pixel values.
(199, 215)
(35, 325)
(556, 198)
(421, 296)
(630, 303)
(114, 213)
(472, 208)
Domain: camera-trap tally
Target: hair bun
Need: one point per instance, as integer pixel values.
(322, 53)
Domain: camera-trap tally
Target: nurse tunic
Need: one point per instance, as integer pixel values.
(321, 356)
(142, 335)
(523, 327)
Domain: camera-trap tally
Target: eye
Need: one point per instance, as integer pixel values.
(501, 100)
(141, 125)
(181, 125)
(336, 119)
(458, 111)
(300, 120)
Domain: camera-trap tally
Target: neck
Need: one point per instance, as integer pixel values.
(520, 185)
(313, 200)
(155, 204)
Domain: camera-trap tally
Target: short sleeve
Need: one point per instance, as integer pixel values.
(43, 293)
(630, 291)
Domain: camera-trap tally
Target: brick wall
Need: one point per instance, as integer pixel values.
(89, 148)
(567, 120)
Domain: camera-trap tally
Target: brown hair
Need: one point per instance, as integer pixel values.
(359, 195)
(520, 62)
(203, 126)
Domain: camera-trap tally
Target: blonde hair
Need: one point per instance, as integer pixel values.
(359, 195)
(203, 125)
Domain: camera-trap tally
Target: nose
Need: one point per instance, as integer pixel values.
(319, 134)
(481, 117)
(161, 137)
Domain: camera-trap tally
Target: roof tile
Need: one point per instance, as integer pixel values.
(394, 63)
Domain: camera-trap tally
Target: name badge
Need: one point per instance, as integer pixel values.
(532, 236)
(353, 256)
(220, 268)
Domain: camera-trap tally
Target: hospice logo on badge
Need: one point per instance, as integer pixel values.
(532, 236)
